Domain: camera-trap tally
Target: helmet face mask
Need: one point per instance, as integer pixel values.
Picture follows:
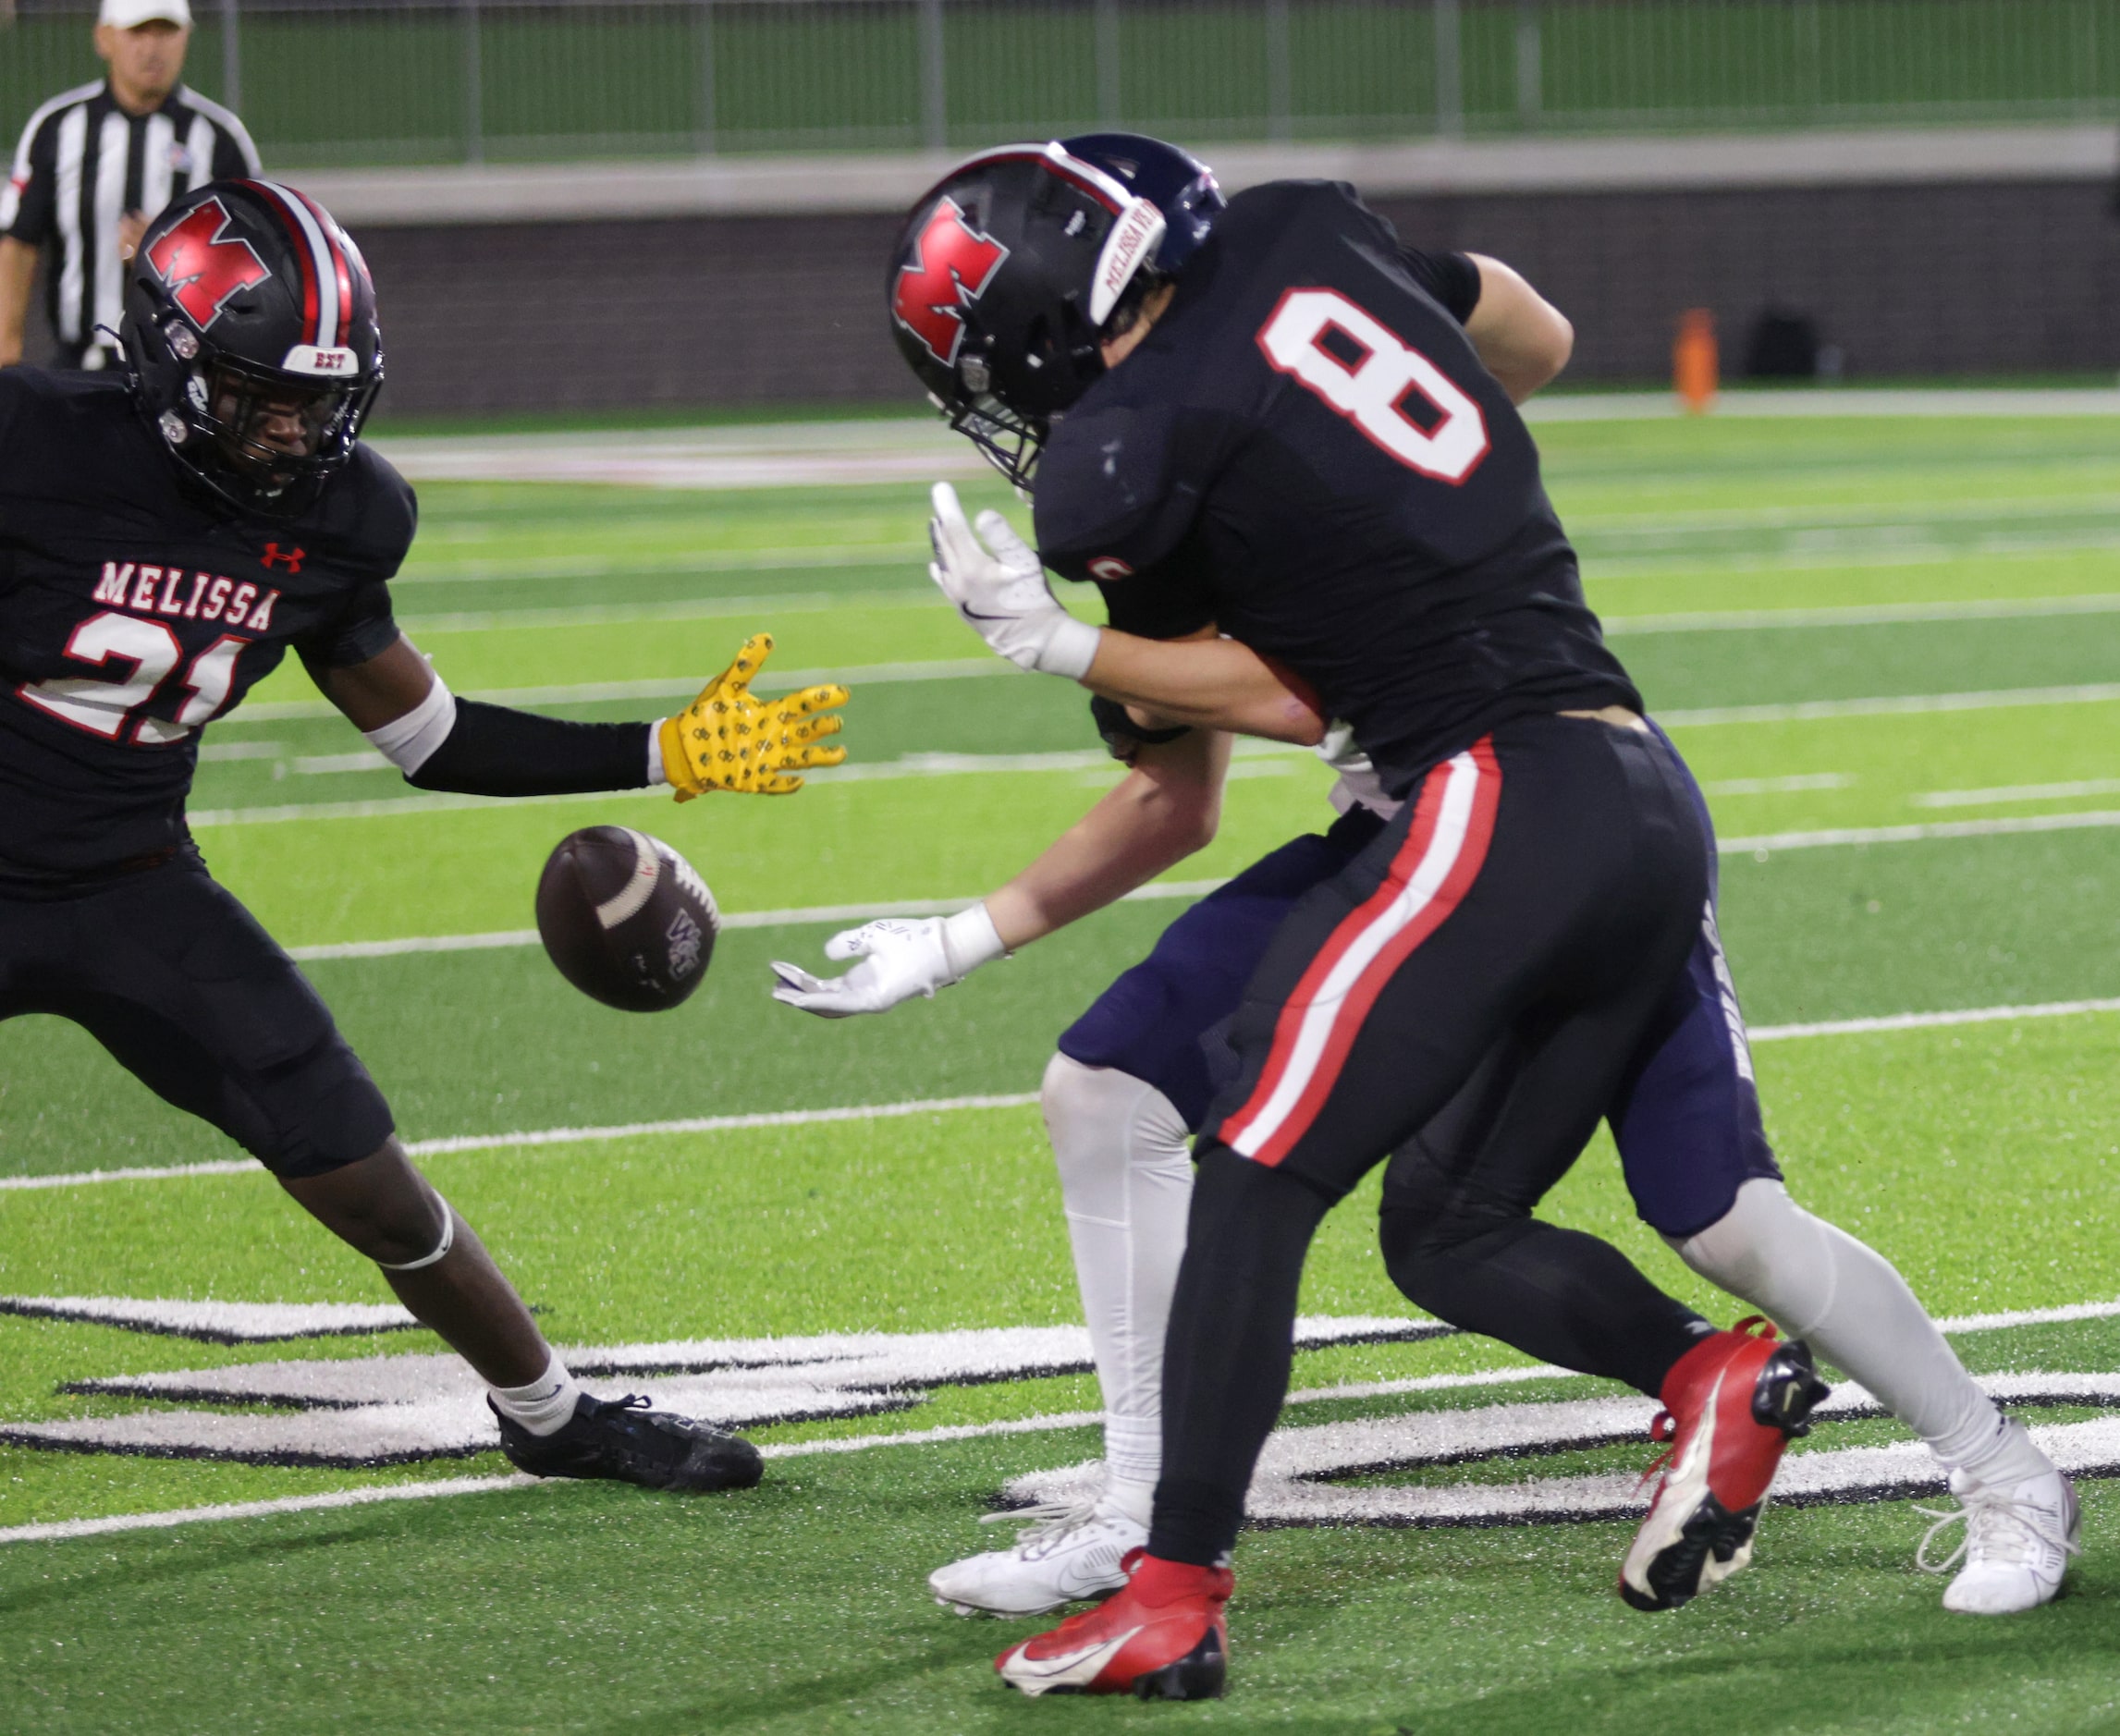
(249, 327)
(1007, 277)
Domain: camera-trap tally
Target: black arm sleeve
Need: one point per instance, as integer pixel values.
(494, 752)
(1452, 278)
(1124, 739)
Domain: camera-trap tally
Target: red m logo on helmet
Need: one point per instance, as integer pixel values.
(952, 264)
(204, 265)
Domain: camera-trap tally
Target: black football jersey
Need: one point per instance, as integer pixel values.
(1306, 451)
(134, 610)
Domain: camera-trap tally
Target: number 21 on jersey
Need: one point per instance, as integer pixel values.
(102, 705)
(1371, 391)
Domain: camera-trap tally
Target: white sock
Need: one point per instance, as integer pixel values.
(1820, 1284)
(543, 1407)
(1126, 1179)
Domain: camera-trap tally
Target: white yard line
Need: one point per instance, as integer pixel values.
(66, 1530)
(943, 1106)
(1933, 1020)
(1862, 614)
(1890, 705)
(1833, 838)
(595, 692)
(1155, 890)
(2018, 793)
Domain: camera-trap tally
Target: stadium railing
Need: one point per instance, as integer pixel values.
(353, 83)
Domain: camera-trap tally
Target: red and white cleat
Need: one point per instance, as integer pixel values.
(1162, 1636)
(1732, 1405)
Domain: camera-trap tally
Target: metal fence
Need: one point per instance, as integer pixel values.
(381, 81)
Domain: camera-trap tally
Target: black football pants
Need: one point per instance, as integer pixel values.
(170, 973)
(1535, 901)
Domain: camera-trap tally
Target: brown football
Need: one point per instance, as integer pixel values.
(627, 919)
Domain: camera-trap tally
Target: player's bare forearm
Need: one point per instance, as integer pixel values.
(17, 275)
(1523, 339)
(1209, 682)
(1165, 808)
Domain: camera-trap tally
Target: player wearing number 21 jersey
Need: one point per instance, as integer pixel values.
(134, 615)
(165, 538)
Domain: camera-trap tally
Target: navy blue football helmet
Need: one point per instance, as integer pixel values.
(1175, 181)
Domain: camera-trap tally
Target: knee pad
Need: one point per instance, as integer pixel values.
(1769, 1250)
(1104, 1126)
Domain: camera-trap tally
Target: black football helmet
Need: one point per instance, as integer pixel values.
(250, 328)
(1006, 275)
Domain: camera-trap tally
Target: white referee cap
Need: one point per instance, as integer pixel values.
(125, 13)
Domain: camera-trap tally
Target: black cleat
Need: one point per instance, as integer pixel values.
(626, 1441)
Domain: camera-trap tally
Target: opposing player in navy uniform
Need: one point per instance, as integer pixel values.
(165, 540)
(1458, 1231)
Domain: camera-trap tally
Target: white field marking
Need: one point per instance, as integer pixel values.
(911, 765)
(1804, 711)
(826, 555)
(1832, 403)
(1859, 615)
(721, 1123)
(1825, 553)
(1779, 785)
(811, 914)
(1885, 515)
(66, 1529)
(2017, 792)
(802, 1118)
(1837, 837)
(318, 764)
(594, 692)
(694, 609)
(60, 1531)
(218, 1322)
(142, 1172)
(1933, 1020)
(250, 749)
(376, 1409)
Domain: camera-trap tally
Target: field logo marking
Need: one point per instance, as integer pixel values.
(391, 1410)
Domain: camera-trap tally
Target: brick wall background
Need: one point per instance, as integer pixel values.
(1923, 280)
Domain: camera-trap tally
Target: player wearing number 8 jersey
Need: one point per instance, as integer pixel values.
(165, 540)
(1284, 436)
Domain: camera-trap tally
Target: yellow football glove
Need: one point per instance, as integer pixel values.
(729, 740)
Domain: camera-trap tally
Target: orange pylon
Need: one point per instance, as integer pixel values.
(1695, 364)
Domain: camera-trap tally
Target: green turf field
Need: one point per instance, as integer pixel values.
(1890, 651)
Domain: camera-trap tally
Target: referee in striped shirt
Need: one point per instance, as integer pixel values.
(95, 167)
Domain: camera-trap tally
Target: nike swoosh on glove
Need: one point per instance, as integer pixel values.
(999, 585)
(899, 956)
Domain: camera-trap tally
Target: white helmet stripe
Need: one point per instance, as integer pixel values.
(328, 311)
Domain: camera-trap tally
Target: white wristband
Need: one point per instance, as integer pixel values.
(1069, 649)
(970, 940)
(409, 742)
(655, 773)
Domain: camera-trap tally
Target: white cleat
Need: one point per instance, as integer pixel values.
(2019, 1538)
(1069, 1551)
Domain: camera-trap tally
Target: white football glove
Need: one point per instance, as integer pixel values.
(999, 585)
(900, 957)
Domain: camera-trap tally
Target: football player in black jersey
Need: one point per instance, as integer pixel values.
(1512, 936)
(165, 539)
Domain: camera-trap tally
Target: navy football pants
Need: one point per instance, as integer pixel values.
(170, 973)
(1685, 1114)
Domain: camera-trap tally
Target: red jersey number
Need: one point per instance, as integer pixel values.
(1371, 392)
